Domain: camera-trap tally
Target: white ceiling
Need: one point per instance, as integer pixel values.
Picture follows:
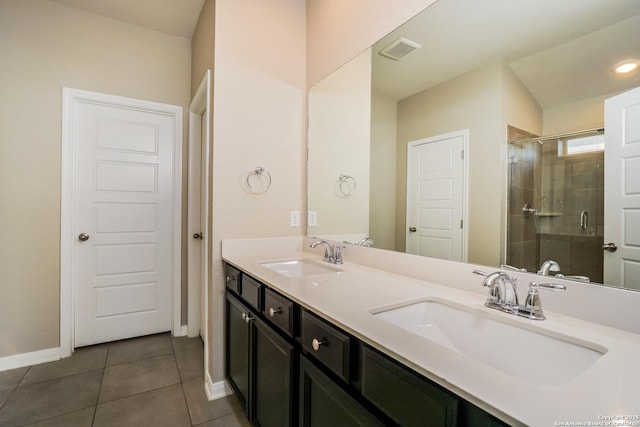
(562, 51)
(177, 17)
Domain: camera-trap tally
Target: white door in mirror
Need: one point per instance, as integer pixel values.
(435, 197)
(622, 190)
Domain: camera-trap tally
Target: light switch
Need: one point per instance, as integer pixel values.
(312, 219)
(294, 220)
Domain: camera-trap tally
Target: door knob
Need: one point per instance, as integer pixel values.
(83, 237)
(413, 229)
(198, 236)
(609, 247)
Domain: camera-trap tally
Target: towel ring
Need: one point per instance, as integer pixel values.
(263, 177)
(346, 185)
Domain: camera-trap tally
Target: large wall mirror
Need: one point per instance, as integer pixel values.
(476, 132)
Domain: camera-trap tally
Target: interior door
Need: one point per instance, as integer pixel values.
(435, 197)
(622, 190)
(123, 222)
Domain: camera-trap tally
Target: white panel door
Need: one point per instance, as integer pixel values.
(123, 204)
(622, 189)
(435, 197)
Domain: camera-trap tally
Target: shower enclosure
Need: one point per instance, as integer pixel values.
(556, 202)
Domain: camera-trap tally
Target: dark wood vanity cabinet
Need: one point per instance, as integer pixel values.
(260, 366)
(289, 366)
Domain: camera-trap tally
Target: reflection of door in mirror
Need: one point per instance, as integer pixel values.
(436, 199)
(622, 183)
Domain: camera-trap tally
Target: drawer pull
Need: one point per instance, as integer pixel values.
(231, 279)
(316, 344)
(274, 311)
(247, 318)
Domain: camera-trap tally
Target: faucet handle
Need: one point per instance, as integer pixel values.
(548, 286)
(533, 306)
(337, 257)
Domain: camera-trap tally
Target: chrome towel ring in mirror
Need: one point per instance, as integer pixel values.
(346, 185)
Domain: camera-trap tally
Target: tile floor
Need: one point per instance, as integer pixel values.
(149, 381)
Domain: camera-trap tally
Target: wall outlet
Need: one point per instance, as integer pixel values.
(294, 220)
(312, 219)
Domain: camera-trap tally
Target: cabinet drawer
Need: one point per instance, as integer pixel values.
(251, 291)
(327, 344)
(404, 396)
(278, 310)
(233, 278)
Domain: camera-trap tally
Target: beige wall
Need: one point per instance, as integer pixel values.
(45, 46)
(481, 101)
(577, 116)
(382, 212)
(338, 30)
(339, 141)
(259, 103)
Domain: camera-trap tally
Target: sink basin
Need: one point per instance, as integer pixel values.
(299, 268)
(545, 359)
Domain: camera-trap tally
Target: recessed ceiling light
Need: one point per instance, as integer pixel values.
(626, 66)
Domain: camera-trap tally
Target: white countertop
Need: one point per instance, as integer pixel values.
(608, 388)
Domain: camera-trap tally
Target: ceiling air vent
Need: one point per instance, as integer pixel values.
(400, 48)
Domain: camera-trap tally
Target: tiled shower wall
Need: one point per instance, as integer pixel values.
(524, 172)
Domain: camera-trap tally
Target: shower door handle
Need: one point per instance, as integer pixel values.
(584, 220)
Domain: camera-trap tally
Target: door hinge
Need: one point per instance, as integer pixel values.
(461, 223)
(462, 154)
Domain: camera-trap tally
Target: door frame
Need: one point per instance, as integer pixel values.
(196, 292)
(70, 97)
(465, 186)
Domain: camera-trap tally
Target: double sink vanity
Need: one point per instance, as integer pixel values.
(314, 343)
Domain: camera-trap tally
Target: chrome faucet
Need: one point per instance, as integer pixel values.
(367, 241)
(503, 296)
(332, 254)
(502, 291)
(549, 266)
(328, 250)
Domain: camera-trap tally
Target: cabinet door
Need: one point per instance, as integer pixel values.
(404, 396)
(324, 403)
(237, 348)
(272, 377)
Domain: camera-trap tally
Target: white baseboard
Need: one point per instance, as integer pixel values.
(27, 359)
(216, 390)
